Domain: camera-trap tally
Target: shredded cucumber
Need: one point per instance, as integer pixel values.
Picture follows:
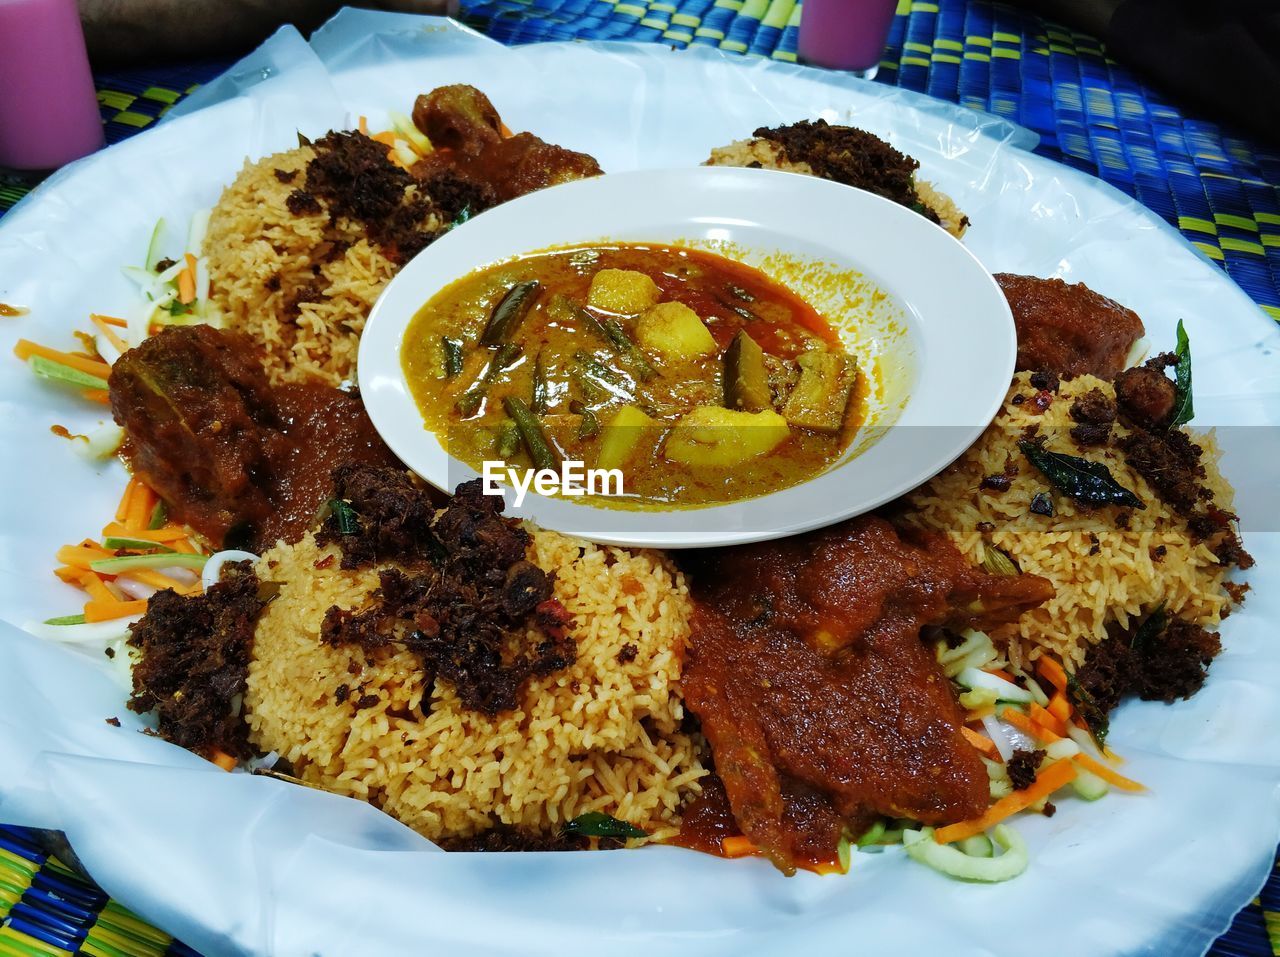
(66, 620)
(954, 862)
(844, 854)
(873, 834)
(404, 127)
(153, 247)
(977, 846)
(976, 679)
(64, 375)
(1088, 785)
(115, 566)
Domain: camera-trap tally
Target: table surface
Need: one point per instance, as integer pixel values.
(1221, 190)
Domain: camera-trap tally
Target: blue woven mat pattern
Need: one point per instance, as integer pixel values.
(1216, 187)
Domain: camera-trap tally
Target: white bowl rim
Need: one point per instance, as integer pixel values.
(962, 334)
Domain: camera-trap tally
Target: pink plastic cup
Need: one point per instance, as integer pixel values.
(48, 106)
(845, 34)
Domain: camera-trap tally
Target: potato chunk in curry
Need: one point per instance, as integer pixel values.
(624, 291)
(675, 332)
(713, 436)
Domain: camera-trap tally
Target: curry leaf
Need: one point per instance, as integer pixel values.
(1084, 481)
(344, 516)
(1183, 410)
(1149, 629)
(1098, 721)
(599, 824)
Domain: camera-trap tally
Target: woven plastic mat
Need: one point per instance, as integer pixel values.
(1218, 188)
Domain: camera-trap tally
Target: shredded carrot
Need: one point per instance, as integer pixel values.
(101, 396)
(223, 760)
(187, 281)
(981, 742)
(69, 574)
(104, 611)
(386, 138)
(123, 508)
(184, 546)
(738, 846)
(25, 349)
(364, 125)
(1053, 673)
(149, 576)
(162, 536)
(505, 130)
(141, 505)
(1001, 673)
(1027, 726)
(78, 556)
(1060, 707)
(110, 320)
(1108, 775)
(1043, 718)
(105, 328)
(92, 584)
(1049, 780)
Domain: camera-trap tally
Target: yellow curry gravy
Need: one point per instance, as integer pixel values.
(623, 393)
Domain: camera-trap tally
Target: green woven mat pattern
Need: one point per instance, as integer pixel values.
(46, 910)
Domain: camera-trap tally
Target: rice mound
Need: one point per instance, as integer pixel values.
(602, 735)
(1119, 580)
(768, 155)
(277, 277)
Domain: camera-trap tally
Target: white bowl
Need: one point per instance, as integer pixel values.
(940, 338)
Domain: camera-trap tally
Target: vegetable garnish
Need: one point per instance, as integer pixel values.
(1093, 716)
(1090, 483)
(1049, 780)
(981, 742)
(344, 515)
(64, 374)
(122, 563)
(738, 846)
(105, 611)
(1152, 626)
(1107, 774)
(65, 620)
(924, 846)
(25, 349)
(1182, 404)
(599, 824)
(114, 543)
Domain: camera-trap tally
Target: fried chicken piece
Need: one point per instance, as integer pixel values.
(241, 462)
(474, 157)
(822, 706)
(1068, 329)
(1146, 395)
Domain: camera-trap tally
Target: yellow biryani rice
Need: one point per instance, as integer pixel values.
(768, 155)
(272, 275)
(601, 735)
(1120, 578)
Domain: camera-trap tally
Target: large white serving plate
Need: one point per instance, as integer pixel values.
(920, 315)
(239, 865)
